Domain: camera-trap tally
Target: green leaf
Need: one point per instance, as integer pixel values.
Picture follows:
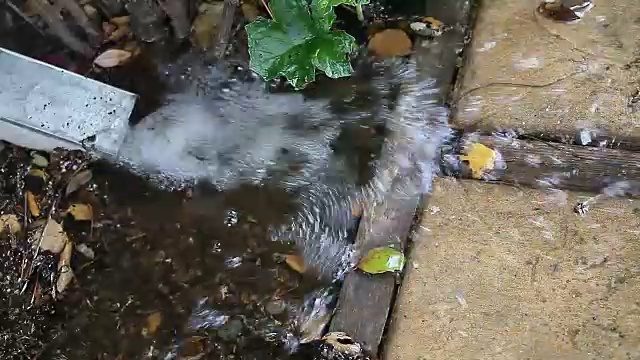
(381, 260)
(297, 41)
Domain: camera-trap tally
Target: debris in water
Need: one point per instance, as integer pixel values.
(295, 262)
(480, 159)
(429, 27)
(81, 212)
(153, 323)
(381, 260)
(390, 43)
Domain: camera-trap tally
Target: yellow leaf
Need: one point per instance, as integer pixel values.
(153, 323)
(112, 58)
(295, 262)
(9, 222)
(81, 212)
(34, 209)
(390, 42)
(480, 158)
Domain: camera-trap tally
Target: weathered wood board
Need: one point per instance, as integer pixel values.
(568, 167)
(365, 301)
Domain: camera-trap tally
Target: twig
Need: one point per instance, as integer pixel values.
(226, 24)
(23, 16)
(44, 229)
(266, 6)
(50, 15)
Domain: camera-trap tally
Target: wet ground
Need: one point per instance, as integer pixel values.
(189, 272)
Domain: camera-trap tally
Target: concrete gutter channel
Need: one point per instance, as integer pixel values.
(491, 268)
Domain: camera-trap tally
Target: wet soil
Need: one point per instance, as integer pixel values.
(201, 263)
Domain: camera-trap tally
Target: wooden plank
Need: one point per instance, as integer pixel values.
(365, 301)
(562, 166)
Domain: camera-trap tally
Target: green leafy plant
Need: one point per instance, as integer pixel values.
(300, 39)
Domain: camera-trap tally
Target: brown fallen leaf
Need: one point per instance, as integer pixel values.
(205, 25)
(557, 11)
(119, 33)
(153, 323)
(112, 58)
(78, 180)
(108, 28)
(65, 273)
(81, 212)
(390, 42)
(54, 238)
(32, 203)
(10, 223)
(295, 262)
(120, 20)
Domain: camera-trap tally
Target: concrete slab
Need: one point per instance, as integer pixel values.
(532, 73)
(502, 273)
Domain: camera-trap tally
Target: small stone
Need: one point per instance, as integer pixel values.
(276, 307)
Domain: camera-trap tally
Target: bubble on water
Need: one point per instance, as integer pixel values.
(203, 317)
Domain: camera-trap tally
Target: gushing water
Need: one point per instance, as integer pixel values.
(228, 130)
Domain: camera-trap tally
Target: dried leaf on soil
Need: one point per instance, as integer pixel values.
(54, 238)
(78, 180)
(120, 20)
(153, 323)
(81, 212)
(295, 262)
(205, 25)
(381, 260)
(390, 42)
(32, 203)
(65, 274)
(480, 159)
(112, 58)
(9, 222)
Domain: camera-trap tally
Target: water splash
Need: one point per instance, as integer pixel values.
(228, 130)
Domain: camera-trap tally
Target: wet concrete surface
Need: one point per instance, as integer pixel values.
(498, 272)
